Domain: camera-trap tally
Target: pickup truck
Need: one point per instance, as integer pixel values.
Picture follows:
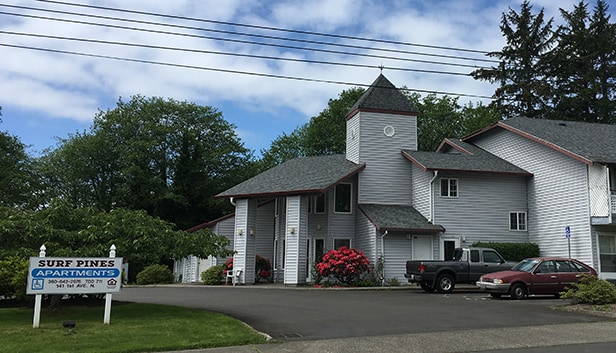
(467, 265)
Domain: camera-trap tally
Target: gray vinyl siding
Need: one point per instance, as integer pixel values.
(421, 190)
(557, 193)
(385, 165)
(341, 225)
(397, 252)
(297, 218)
(352, 141)
(366, 237)
(481, 210)
(226, 228)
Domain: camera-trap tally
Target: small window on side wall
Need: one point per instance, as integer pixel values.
(340, 242)
(517, 221)
(449, 187)
(319, 204)
(342, 198)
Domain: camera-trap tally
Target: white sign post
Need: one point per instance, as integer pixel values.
(81, 275)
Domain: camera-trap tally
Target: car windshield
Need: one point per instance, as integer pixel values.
(525, 265)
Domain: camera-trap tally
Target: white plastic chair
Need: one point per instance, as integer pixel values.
(234, 274)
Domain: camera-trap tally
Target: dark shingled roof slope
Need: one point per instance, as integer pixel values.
(398, 218)
(468, 158)
(297, 176)
(588, 142)
(383, 96)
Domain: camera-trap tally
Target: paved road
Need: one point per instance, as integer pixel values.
(293, 314)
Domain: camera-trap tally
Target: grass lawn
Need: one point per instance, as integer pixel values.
(133, 328)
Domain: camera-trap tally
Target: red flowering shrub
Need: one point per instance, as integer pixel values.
(345, 264)
(263, 268)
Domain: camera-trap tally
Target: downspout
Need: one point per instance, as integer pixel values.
(232, 200)
(382, 259)
(431, 218)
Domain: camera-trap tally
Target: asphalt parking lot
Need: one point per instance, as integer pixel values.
(303, 314)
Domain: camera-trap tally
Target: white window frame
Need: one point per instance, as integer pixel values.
(313, 204)
(516, 227)
(350, 198)
(344, 239)
(449, 193)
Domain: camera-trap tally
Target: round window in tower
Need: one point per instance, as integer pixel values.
(389, 131)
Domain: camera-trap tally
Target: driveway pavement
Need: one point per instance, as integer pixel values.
(294, 314)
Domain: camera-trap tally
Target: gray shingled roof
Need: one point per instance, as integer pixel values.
(593, 142)
(470, 159)
(384, 96)
(297, 176)
(398, 218)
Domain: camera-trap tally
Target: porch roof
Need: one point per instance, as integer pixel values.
(455, 155)
(587, 142)
(398, 218)
(302, 175)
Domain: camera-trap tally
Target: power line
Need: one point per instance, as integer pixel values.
(254, 35)
(226, 53)
(243, 41)
(305, 79)
(371, 40)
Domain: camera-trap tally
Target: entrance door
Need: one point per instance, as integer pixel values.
(447, 247)
(315, 251)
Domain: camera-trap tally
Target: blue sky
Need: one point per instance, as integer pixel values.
(45, 95)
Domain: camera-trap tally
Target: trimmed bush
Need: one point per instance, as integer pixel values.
(155, 274)
(591, 290)
(512, 251)
(346, 265)
(213, 275)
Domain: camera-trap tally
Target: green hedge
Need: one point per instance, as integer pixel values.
(212, 275)
(512, 251)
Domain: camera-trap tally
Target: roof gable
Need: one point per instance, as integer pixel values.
(586, 142)
(459, 156)
(297, 176)
(383, 96)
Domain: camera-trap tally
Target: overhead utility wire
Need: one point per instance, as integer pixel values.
(244, 41)
(226, 70)
(97, 41)
(306, 41)
(340, 36)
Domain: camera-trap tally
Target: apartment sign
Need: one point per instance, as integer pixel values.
(59, 275)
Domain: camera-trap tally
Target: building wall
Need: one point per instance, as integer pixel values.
(481, 210)
(557, 193)
(420, 184)
(387, 176)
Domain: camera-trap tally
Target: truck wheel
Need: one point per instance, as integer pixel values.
(426, 286)
(517, 291)
(445, 283)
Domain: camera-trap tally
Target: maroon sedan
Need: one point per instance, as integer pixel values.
(538, 275)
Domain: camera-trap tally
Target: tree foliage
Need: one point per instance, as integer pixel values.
(584, 66)
(521, 72)
(568, 73)
(18, 179)
(324, 134)
(441, 117)
(67, 231)
(162, 156)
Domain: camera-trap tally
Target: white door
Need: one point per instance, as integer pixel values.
(422, 247)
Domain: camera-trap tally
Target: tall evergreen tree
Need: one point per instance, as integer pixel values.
(583, 66)
(521, 73)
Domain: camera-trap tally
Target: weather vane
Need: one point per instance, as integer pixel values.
(381, 67)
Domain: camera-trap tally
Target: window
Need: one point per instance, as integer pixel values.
(316, 204)
(517, 220)
(492, 257)
(449, 187)
(340, 242)
(474, 255)
(342, 198)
